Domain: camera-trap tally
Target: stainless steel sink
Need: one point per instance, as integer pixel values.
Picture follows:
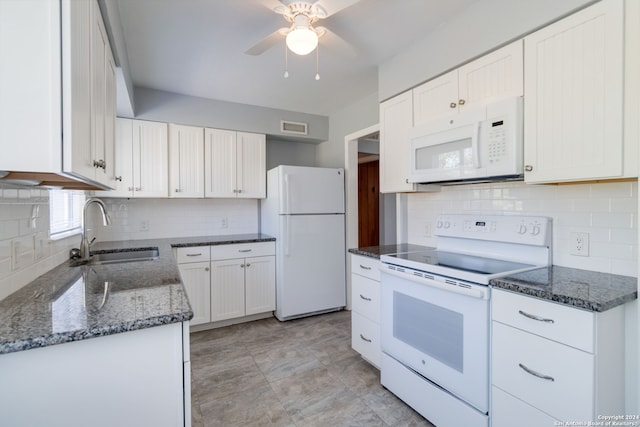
(129, 255)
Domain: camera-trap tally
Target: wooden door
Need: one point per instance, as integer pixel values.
(368, 204)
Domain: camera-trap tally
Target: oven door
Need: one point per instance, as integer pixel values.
(440, 329)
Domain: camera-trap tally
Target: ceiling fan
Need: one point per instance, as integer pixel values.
(301, 36)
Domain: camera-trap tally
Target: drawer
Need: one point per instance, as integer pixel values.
(192, 254)
(365, 338)
(365, 266)
(568, 392)
(551, 320)
(365, 297)
(507, 411)
(243, 250)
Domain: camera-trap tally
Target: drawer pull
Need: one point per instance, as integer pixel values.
(534, 317)
(364, 339)
(364, 267)
(365, 298)
(200, 254)
(534, 373)
(244, 250)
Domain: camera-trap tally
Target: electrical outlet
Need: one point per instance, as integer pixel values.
(224, 223)
(579, 244)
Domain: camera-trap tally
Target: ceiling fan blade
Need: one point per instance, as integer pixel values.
(336, 43)
(267, 42)
(332, 6)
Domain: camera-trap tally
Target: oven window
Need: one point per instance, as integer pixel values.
(429, 328)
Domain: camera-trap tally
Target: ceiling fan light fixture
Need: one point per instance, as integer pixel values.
(302, 40)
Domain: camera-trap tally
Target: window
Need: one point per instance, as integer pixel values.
(65, 212)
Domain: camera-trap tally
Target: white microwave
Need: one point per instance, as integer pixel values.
(480, 144)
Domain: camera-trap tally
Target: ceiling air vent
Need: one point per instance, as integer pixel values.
(293, 127)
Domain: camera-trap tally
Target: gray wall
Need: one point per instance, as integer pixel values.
(483, 26)
(361, 114)
(190, 110)
(290, 153)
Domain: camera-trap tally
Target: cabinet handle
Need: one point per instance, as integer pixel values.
(461, 102)
(365, 298)
(238, 191)
(177, 190)
(244, 250)
(364, 339)
(100, 164)
(195, 254)
(534, 373)
(130, 188)
(364, 267)
(248, 265)
(138, 188)
(534, 317)
(241, 265)
(453, 105)
(118, 178)
(528, 168)
(206, 269)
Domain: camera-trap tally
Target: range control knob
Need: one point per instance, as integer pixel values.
(535, 229)
(522, 229)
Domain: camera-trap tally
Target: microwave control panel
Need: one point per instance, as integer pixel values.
(496, 140)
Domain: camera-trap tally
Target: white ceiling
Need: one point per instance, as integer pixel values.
(196, 47)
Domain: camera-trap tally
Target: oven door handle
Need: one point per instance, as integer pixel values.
(470, 292)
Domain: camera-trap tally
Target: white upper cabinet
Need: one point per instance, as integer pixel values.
(235, 164)
(573, 111)
(186, 161)
(56, 94)
(396, 119)
(496, 75)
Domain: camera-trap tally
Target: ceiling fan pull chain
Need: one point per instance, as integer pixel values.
(286, 61)
(317, 73)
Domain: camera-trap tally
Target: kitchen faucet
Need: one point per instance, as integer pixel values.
(85, 245)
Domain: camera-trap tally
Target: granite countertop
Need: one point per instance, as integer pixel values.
(75, 303)
(376, 251)
(587, 290)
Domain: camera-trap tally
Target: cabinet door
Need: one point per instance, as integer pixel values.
(396, 118)
(110, 119)
(252, 165)
(496, 75)
(77, 79)
(186, 161)
(99, 46)
(574, 96)
(123, 163)
(197, 282)
(260, 284)
(150, 169)
(435, 98)
(220, 163)
(227, 289)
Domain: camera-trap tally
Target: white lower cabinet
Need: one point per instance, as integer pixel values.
(228, 281)
(365, 315)
(132, 378)
(552, 362)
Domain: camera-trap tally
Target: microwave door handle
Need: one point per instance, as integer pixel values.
(475, 142)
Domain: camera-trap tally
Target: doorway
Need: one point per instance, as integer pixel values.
(368, 199)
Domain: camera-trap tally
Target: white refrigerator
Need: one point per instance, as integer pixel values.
(304, 211)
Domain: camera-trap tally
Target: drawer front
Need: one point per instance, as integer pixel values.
(365, 266)
(365, 297)
(365, 338)
(243, 250)
(507, 411)
(192, 254)
(568, 389)
(560, 323)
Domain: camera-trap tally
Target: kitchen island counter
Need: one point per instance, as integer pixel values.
(583, 289)
(71, 303)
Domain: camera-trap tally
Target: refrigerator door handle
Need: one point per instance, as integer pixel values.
(287, 231)
(287, 192)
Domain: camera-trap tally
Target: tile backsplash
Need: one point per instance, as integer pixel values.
(606, 211)
(25, 249)
(133, 219)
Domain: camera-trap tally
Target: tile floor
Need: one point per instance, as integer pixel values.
(297, 373)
